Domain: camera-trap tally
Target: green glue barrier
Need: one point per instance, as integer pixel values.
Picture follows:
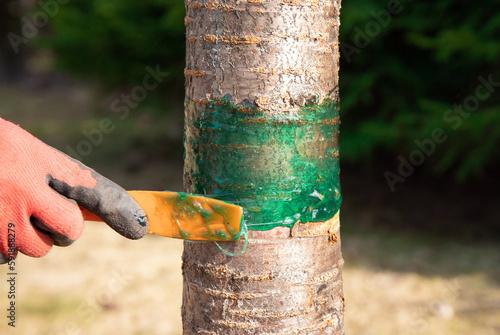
(280, 168)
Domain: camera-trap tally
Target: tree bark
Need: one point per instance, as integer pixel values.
(261, 131)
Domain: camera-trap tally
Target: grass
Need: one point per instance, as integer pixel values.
(394, 282)
(397, 283)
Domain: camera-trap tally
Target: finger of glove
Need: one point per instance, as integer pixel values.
(109, 202)
(69, 170)
(58, 217)
(33, 242)
(59, 239)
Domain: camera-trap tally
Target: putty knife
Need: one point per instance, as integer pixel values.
(185, 216)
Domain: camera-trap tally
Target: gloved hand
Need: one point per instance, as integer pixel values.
(36, 182)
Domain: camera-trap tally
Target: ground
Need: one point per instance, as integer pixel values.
(395, 281)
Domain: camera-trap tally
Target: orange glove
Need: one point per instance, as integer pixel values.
(36, 182)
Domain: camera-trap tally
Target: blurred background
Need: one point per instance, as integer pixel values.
(419, 144)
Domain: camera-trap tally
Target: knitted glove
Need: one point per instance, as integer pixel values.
(36, 183)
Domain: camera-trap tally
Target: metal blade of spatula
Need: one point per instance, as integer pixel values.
(186, 216)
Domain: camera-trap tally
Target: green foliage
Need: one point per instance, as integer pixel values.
(400, 81)
(10, 62)
(114, 40)
(401, 72)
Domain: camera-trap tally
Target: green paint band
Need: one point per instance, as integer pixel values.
(279, 168)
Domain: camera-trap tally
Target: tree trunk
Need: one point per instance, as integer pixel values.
(261, 131)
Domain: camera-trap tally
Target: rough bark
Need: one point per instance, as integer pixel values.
(267, 53)
(273, 64)
(280, 285)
